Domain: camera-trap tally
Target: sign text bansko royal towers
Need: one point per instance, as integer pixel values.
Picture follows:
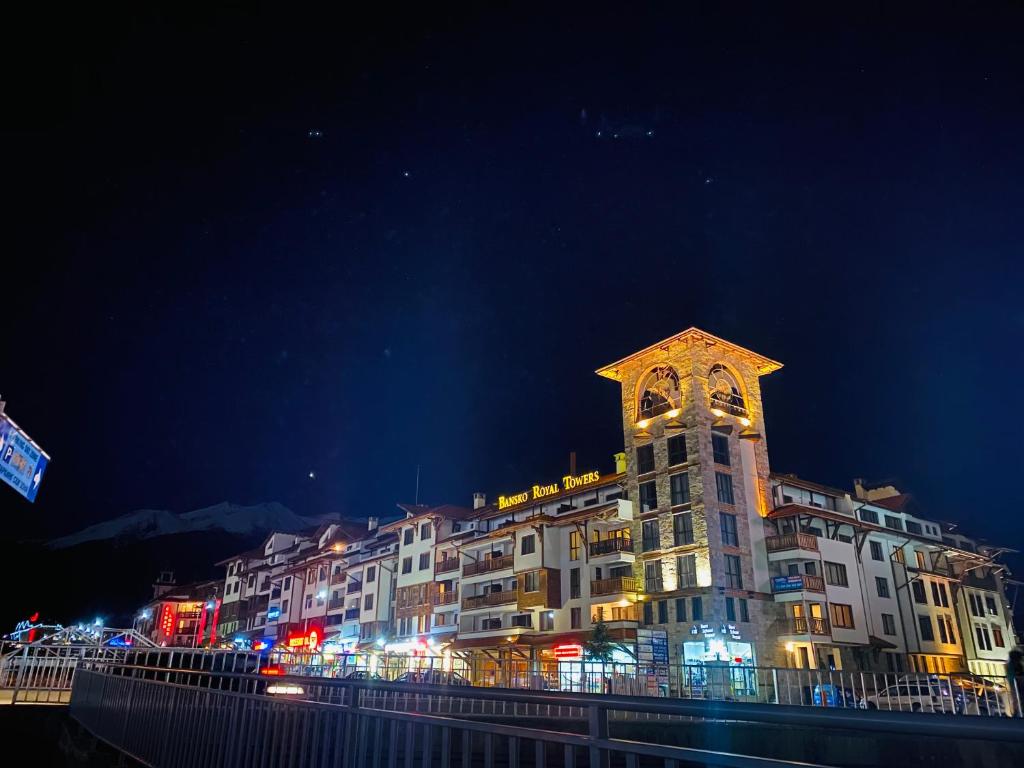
(569, 483)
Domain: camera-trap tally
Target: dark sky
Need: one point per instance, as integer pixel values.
(204, 302)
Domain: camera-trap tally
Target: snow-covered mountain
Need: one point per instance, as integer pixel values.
(232, 518)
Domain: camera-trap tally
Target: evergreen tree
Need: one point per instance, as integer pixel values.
(600, 645)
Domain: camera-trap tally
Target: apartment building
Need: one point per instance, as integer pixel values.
(182, 615)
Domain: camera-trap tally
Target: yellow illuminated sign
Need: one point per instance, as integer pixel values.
(569, 483)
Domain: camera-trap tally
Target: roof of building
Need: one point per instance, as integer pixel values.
(450, 511)
(897, 503)
(809, 485)
(763, 365)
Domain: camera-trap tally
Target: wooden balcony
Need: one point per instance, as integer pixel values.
(446, 598)
(614, 586)
(338, 578)
(804, 625)
(787, 541)
(610, 546)
(801, 582)
(443, 566)
(488, 600)
(488, 565)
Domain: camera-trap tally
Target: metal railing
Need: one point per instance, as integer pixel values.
(167, 718)
(614, 586)
(791, 541)
(487, 565)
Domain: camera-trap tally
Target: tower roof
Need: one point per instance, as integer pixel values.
(762, 365)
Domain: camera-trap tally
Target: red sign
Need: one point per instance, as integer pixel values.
(568, 651)
(167, 620)
(309, 640)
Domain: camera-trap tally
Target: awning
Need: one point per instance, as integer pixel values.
(878, 642)
(484, 642)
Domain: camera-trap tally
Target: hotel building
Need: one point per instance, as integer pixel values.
(691, 541)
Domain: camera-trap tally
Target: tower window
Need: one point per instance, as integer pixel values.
(659, 393)
(644, 459)
(725, 391)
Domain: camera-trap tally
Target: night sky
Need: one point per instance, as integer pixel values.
(240, 247)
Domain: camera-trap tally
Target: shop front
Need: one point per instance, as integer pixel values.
(717, 660)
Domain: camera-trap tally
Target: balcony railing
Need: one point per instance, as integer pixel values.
(803, 625)
(487, 565)
(448, 564)
(801, 581)
(338, 578)
(610, 546)
(353, 586)
(792, 541)
(335, 603)
(446, 598)
(491, 598)
(351, 613)
(614, 586)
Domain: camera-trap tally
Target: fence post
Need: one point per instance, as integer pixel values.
(597, 727)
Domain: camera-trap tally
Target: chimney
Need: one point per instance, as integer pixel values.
(479, 500)
(371, 523)
(620, 462)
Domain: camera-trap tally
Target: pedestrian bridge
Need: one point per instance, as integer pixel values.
(168, 717)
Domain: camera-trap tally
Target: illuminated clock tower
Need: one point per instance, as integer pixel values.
(697, 472)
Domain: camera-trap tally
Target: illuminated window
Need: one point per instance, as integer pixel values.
(575, 540)
(897, 554)
(842, 615)
(725, 392)
(919, 555)
(659, 393)
(997, 636)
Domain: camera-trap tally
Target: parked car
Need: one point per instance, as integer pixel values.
(919, 697)
(432, 677)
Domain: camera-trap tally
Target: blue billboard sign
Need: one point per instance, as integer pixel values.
(22, 462)
(787, 583)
